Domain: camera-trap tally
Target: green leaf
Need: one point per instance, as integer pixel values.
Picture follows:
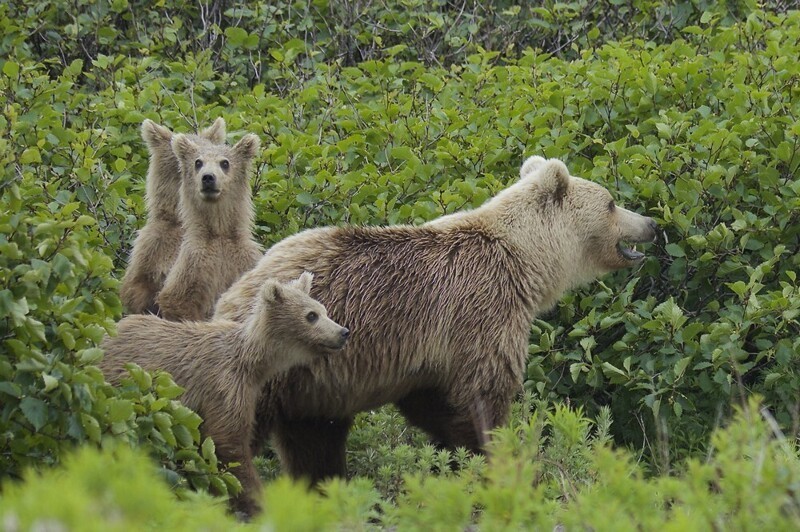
(11, 69)
(681, 365)
(90, 355)
(208, 449)
(236, 36)
(675, 250)
(119, 410)
(91, 427)
(50, 382)
(11, 388)
(35, 411)
(304, 198)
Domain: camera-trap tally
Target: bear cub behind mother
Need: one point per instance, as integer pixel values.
(440, 313)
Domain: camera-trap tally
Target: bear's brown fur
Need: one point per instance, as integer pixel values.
(157, 243)
(223, 365)
(440, 313)
(216, 212)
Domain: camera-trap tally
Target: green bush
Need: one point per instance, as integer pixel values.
(748, 479)
(62, 222)
(686, 112)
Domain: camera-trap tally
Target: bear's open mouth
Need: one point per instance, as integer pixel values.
(629, 253)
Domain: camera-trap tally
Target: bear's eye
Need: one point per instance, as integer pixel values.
(224, 164)
(611, 206)
(312, 317)
(198, 164)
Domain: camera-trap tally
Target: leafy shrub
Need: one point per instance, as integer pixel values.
(63, 214)
(693, 123)
(748, 479)
(280, 43)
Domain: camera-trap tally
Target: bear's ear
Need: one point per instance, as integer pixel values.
(304, 282)
(183, 147)
(155, 135)
(272, 291)
(530, 165)
(247, 147)
(215, 132)
(553, 179)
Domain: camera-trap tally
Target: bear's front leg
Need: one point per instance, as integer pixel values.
(247, 501)
(138, 293)
(188, 293)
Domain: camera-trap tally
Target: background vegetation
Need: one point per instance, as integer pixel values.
(378, 112)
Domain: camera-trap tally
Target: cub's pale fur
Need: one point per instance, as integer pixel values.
(157, 243)
(216, 212)
(223, 365)
(440, 313)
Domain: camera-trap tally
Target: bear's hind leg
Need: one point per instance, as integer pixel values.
(462, 423)
(312, 448)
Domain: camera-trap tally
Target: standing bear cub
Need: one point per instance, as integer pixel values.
(442, 311)
(157, 243)
(224, 365)
(216, 210)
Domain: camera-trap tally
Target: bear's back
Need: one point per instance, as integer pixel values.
(417, 300)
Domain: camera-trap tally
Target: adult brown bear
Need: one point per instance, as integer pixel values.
(440, 313)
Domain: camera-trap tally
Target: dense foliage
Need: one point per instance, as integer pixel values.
(398, 112)
(549, 470)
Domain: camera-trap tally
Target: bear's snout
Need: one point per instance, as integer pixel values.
(652, 228)
(344, 334)
(209, 182)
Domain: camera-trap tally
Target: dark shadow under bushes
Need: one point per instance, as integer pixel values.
(262, 42)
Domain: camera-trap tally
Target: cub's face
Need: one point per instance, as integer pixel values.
(300, 321)
(210, 169)
(210, 173)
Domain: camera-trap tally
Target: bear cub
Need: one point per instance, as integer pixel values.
(224, 365)
(216, 211)
(157, 243)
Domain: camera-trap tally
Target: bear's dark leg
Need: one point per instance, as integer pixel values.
(429, 410)
(312, 448)
(461, 423)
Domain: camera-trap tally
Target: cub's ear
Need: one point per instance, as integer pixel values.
(215, 132)
(272, 291)
(183, 147)
(247, 147)
(553, 179)
(304, 282)
(154, 135)
(530, 165)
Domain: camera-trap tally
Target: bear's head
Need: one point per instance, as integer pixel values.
(212, 171)
(287, 316)
(604, 235)
(163, 177)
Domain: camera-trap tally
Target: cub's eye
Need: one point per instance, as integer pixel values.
(225, 164)
(312, 317)
(611, 206)
(198, 164)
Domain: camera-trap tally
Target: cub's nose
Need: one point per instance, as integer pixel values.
(208, 180)
(345, 333)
